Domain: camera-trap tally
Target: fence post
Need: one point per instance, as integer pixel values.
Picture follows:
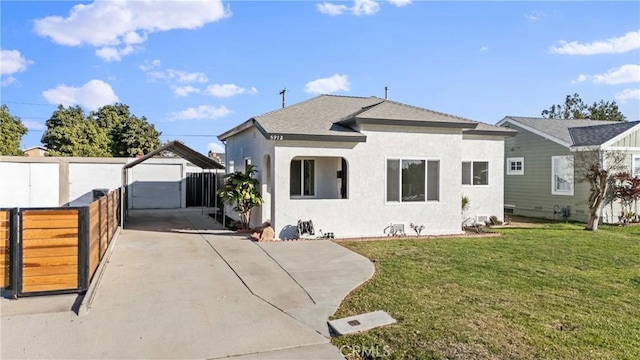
(15, 243)
(83, 248)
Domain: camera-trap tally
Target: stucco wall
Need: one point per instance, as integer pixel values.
(485, 200)
(252, 145)
(29, 184)
(366, 212)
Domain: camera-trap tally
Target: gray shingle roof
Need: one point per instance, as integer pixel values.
(555, 128)
(598, 134)
(316, 116)
(332, 115)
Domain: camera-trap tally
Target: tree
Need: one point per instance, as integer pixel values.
(128, 135)
(575, 108)
(598, 167)
(241, 191)
(70, 133)
(11, 132)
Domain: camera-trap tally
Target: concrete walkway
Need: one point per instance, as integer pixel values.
(179, 286)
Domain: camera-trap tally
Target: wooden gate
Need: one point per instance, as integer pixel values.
(5, 258)
(50, 251)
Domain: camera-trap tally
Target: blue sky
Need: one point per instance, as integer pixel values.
(198, 68)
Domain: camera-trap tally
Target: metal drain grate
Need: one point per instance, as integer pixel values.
(353, 322)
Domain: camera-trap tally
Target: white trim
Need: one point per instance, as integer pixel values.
(635, 171)
(315, 179)
(585, 148)
(570, 192)
(535, 131)
(231, 167)
(426, 176)
(471, 173)
(624, 148)
(515, 160)
(621, 135)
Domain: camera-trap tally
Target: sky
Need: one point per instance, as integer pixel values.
(198, 68)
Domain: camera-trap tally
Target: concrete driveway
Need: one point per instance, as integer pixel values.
(177, 285)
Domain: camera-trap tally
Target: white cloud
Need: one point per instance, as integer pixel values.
(328, 85)
(201, 112)
(121, 24)
(7, 81)
(627, 94)
(216, 148)
(629, 73)
(182, 91)
(624, 74)
(332, 9)
(180, 76)
(150, 65)
(359, 7)
(33, 125)
(627, 42)
(484, 48)
(580, 78)
(365, 7)
(92, 95)
(228, 90)
(11, 62)
(400, 3)
(534, 15)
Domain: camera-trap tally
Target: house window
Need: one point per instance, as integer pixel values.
(413, 180)
(635, 165)
(562, 175)
(515, 166)
(231, 167)
(302, 182)
(475, 173)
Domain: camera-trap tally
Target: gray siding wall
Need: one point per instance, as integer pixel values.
(631, 140)
(531, 193)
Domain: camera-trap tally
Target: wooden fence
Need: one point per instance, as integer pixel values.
(57, 250)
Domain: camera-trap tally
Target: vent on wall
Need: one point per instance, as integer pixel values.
(481, 219)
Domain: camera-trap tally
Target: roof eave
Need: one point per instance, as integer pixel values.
(312, 137)
(236, 130)
(534, 131)
(420, 123)
(491, 132)
(184, 152)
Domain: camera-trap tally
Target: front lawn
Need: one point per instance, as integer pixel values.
(555, 292)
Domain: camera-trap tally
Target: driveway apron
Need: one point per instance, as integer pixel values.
(178, 285)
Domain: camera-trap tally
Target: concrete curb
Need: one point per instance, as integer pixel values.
(87, 299)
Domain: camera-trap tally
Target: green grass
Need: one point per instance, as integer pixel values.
(555, 292)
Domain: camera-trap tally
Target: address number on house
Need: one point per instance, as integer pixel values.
(277, 137)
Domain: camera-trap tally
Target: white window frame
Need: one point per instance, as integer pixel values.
(515, 160)
(635, 165)
(426, 178)
(231, 168)
(471, 172)
(554, 191)
(315, 179)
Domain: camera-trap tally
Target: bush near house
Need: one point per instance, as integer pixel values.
(553, 292)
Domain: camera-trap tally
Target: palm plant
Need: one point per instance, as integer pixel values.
(240, 190)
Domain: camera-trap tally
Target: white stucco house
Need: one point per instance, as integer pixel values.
(355, 165)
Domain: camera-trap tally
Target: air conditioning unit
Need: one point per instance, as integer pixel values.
(481, 219)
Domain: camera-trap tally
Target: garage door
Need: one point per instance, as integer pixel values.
(156, 186)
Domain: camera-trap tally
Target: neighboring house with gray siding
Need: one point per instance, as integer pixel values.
(539, 170)
(355, 165)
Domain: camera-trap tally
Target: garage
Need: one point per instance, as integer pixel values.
(156, 186)
(153, 182)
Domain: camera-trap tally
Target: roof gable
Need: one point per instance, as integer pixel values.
(553, 129)
(331, 118)
(598, 134)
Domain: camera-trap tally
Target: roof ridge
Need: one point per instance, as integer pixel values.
(428, 110)
(308, 100)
